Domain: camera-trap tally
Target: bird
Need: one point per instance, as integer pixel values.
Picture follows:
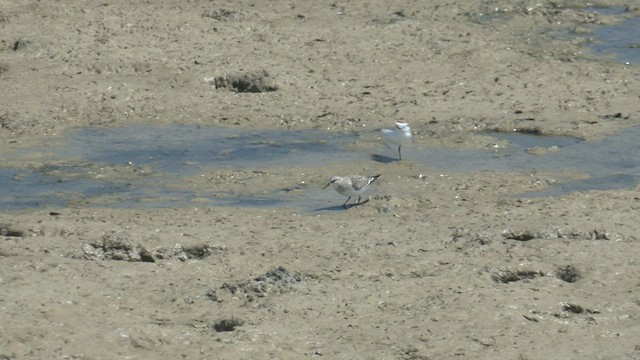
(400, 135)
(351, 185)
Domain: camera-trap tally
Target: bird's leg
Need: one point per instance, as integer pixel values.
(358, 202)
(345, 203)
(399, 153)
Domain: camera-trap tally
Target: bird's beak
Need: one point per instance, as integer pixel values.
(326, 186)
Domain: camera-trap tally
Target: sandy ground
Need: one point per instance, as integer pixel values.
(434, 266)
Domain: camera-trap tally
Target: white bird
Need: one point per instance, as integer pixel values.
(400, 135)
(351, 185)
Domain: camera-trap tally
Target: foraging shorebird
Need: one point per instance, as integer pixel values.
(351, 185)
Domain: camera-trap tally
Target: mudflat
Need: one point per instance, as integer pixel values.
(435, 265)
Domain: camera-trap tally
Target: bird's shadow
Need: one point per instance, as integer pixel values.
(383, 159)
(330, 208)
(341, 207)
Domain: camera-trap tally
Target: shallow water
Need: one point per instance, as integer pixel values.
(146, 161)
(619, 42)
(611, 163)
(185, 149)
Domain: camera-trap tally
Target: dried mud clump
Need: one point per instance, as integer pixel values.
(249, 82)
(577, 309)
(117, 246)
(599, 234)
(568, 274)
(223, 15)
(464, 239)
(227, 325)
(13, 45)
(278, 281)
(519, 235)
(9, 231)
(185, 252)
(4, 18)
(558, 233)
(507, 276)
